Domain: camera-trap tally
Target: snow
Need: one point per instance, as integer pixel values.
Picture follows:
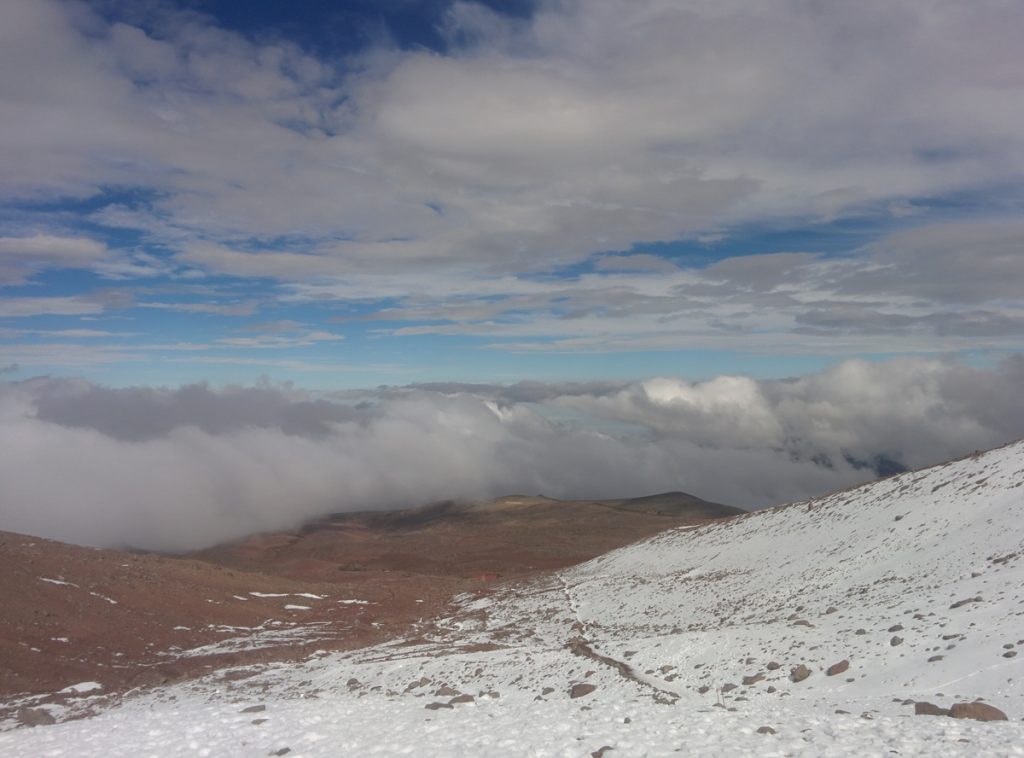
(269, 594)
(649, 626)
(290, 607)
(57, 581)
(269, 634)
(82, 687)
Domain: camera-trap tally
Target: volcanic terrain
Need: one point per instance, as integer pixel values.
(127, 619)
(886, 619)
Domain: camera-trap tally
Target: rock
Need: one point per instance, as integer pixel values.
(599, 753)
(837, 668)
(418, 683)
(896, 641)
(729, 687)
(35, 717)
(929, 709)
(282, 751)
(447, 691)
(461, 699)
(547, 690)
(799, 673)
(353, 684)
(437, 706)
(254, 709)
(895, 628)
(765, 730)
(1010, 654)
(977, 711)
(773, 666)
(257, 722)
(831, 609)
(802, 622)
(752, 679)
(861, 631)
(965, 601)
(579, 690)
(703, 689)
(935, 658)
(770, 690)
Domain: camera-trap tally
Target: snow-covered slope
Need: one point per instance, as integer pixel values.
(688, 640)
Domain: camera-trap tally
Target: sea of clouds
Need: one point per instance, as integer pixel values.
(175, 469)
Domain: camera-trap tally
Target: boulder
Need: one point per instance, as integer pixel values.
(799, 673)
(965, 601)
(837, 668)
(977, 711)
(581, 689)
(929, 709)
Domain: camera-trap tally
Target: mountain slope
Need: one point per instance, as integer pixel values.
(915, 581)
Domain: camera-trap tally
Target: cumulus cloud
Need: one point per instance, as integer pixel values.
(183, 468)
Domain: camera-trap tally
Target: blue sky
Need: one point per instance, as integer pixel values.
(349, 194)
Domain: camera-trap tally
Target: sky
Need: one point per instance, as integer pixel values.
(320, 197)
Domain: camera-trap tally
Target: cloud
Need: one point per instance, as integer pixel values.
(21, 257)
(492, 173)
(183, 468)
(584, 128)
(899, 293)
(15, 307)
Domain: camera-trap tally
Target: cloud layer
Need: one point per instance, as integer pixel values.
(185, 468)
(586, 177)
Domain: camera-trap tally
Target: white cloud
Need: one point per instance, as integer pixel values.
(590, 127)
(21, 257)
(174, 469)
(35, 306)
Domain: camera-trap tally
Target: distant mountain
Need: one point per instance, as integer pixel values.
(509, 536)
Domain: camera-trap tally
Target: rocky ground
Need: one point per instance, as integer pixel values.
(122, 620)
(882, 620)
